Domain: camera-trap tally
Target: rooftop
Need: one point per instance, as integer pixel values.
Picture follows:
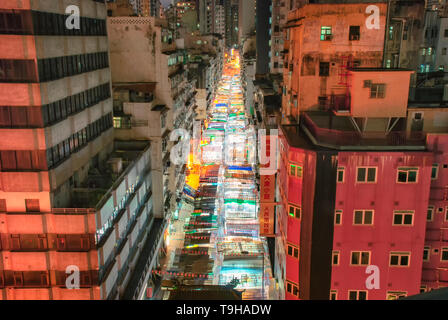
(323, 129)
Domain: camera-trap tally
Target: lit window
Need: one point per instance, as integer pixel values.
(426, 251)
(325, 33)
(399, 259)
(335, 258)
(407, 175)
(357, 295)
(338, 217)
(294, 211)
(366, 174)
(360, 258)
(403, 218)
(363, 217)
(446, 214)
(391, 33)
(295, 171)
(394, 295)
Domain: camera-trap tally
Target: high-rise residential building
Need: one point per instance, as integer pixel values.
(354, 185)
(231, 16)
(427, 113)
(72, 198)
(220, 18)
(262, 24)
(279, 9)
(246, 19)
(314, 68)
(156, 73)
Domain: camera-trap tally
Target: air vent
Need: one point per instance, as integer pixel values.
(392, 244)
(369, 244)
(372, 203)
(338, 244)
(376, 159)
(400, 159)
(336, 283)
(341, 203)
(396, 203)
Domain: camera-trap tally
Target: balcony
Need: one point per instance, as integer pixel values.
(338, 132)
(335, 103)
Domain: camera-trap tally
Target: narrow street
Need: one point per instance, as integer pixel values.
(214, 238)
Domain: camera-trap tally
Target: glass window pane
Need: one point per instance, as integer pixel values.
(394, 260)
(361, 175)
(371, 175)
(368, 217)
(365, 258)
(358, 217)
(402, 176)
(412, 176)
(355, 258)
(398, 218)
(408, 219)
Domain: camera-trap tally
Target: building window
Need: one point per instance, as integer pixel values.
(295, 171)
(354, 33)
(366, 174)
(325, 33)
(434, 171)
(426, 251)
(377, 90)
(444, 254)
(32, 205)
(446, 33)
(340, 174)
(293, 251)
(294, 211)
(407, 175)
(335, 258)
(360, 258)
(400, 259)
(338, 217)
(334, 295)
(444, 51)
(292, 288)
(391, 33)
(403, 218)
(446, 214)
(363, 217)
(423, 289)
(395, 295)
(2, 205)
(324, 69)
(430, 213)
(357, 295)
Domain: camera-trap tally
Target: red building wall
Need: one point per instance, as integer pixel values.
(435, 267)
(381, 238)
(384, 196)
